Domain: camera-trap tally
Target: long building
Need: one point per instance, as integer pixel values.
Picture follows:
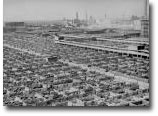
(85, 45)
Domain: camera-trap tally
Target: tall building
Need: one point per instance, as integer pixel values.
(145, 21)
(146, 13)
(145, 27)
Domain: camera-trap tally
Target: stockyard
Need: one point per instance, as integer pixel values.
(42, 68)
(76, 53)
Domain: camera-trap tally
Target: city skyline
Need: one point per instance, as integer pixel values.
(21, 10)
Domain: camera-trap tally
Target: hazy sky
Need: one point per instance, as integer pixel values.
(16, 10)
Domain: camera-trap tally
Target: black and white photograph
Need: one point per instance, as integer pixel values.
(76, 53)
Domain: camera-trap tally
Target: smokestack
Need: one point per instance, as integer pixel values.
(86, 16)
(77, 15)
